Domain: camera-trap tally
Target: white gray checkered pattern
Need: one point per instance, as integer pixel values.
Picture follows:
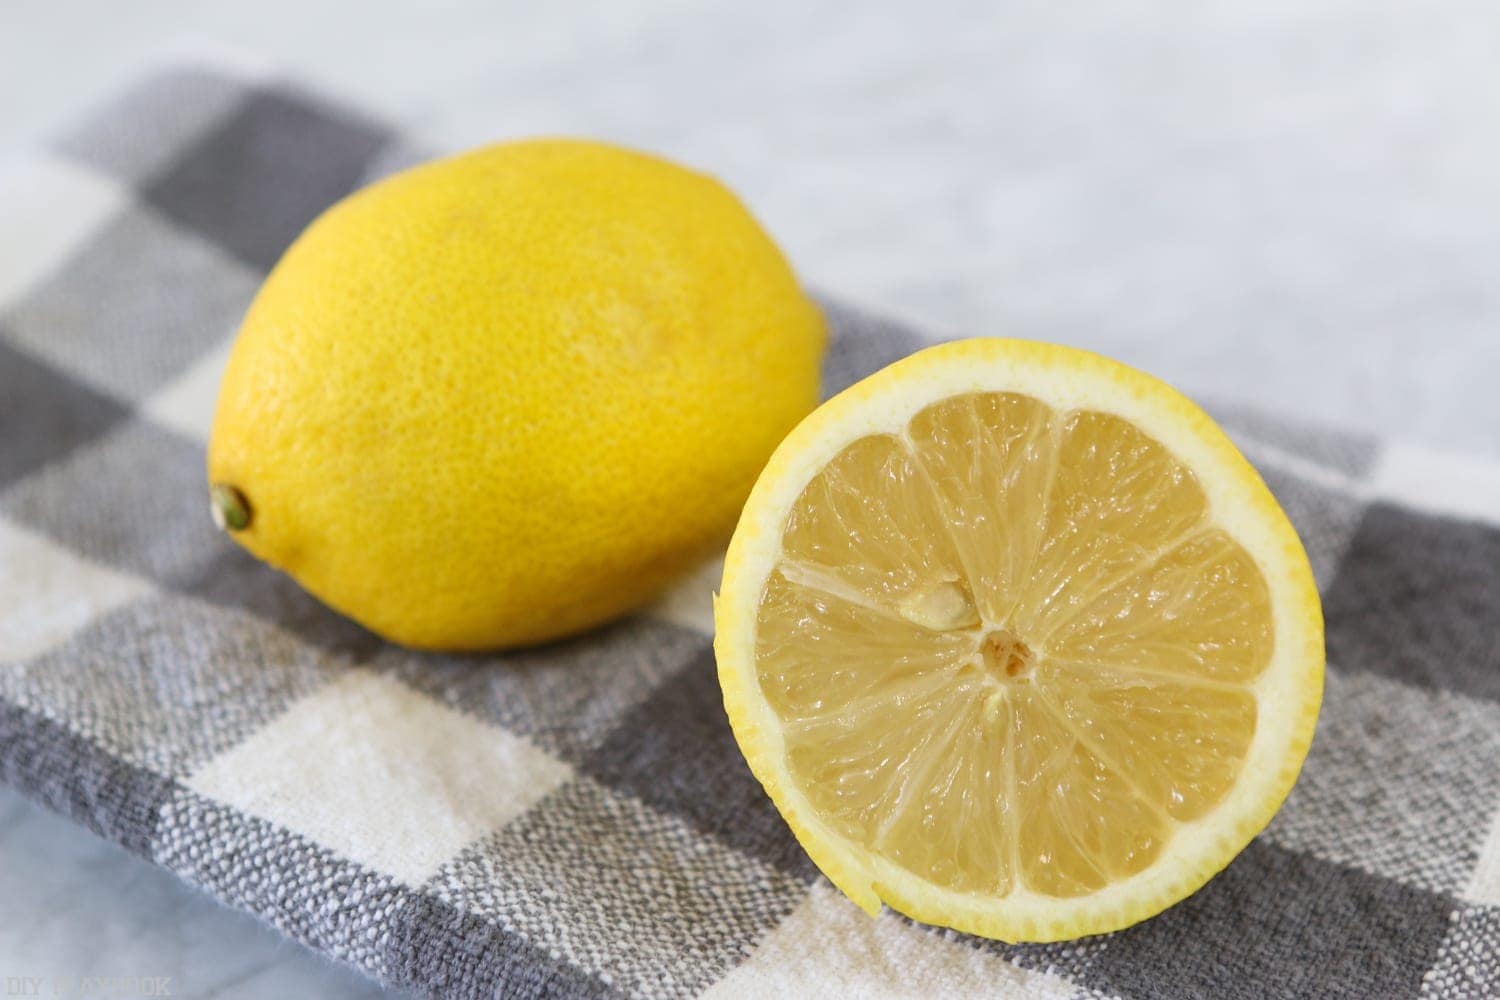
(575, 820)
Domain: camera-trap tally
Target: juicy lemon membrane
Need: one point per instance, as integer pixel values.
(1018, 642)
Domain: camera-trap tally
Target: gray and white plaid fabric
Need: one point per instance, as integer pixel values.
(575, 820)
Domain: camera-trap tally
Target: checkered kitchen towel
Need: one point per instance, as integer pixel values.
(575, 820)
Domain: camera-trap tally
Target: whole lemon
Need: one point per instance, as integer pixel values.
(503, 397)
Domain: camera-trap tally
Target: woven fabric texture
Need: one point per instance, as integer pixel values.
(575, 820)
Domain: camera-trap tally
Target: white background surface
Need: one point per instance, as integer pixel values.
(1289, 204)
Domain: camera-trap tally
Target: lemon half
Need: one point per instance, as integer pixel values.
(1018, 642)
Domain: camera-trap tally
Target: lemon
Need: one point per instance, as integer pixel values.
(503, 397)
(1018, 642)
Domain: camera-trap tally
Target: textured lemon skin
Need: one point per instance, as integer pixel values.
(503, 397)
(1291, 689)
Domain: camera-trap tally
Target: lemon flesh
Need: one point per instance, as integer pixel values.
(1008, 652)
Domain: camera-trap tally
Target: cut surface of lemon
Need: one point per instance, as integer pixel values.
(1018, 642)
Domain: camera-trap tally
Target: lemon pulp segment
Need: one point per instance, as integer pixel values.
(1009, 648)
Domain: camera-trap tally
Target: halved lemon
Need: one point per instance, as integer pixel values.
(1018, 642)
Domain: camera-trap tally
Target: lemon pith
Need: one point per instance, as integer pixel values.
(505, 396)
(1018, 642)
